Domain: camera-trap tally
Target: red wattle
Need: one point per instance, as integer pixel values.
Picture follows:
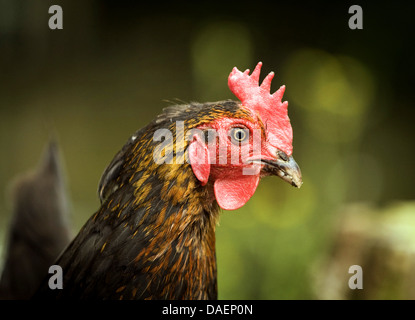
(231, 194)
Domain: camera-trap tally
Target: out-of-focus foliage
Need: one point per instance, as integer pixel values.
(381, 241)
(115, 65)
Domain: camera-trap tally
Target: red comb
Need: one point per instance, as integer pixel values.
(258, 99)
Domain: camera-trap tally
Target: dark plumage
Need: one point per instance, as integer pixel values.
(153, 237)
(39, 228)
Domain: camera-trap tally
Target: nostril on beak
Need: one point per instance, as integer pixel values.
(282, 155)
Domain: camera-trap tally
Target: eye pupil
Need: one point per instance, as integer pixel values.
(239, 135)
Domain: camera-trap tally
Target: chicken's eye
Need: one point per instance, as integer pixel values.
(239, 135)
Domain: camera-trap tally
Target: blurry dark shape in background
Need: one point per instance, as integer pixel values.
(39, 229)
(114, 64)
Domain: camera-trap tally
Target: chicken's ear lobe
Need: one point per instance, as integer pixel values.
(199, 159)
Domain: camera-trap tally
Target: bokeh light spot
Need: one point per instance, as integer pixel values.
(335, 92)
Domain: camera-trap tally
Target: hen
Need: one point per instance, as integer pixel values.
(154, 235)
(39, 229)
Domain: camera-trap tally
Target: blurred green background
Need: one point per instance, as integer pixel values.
(116, 64)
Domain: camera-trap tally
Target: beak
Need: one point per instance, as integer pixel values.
(288, 170)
